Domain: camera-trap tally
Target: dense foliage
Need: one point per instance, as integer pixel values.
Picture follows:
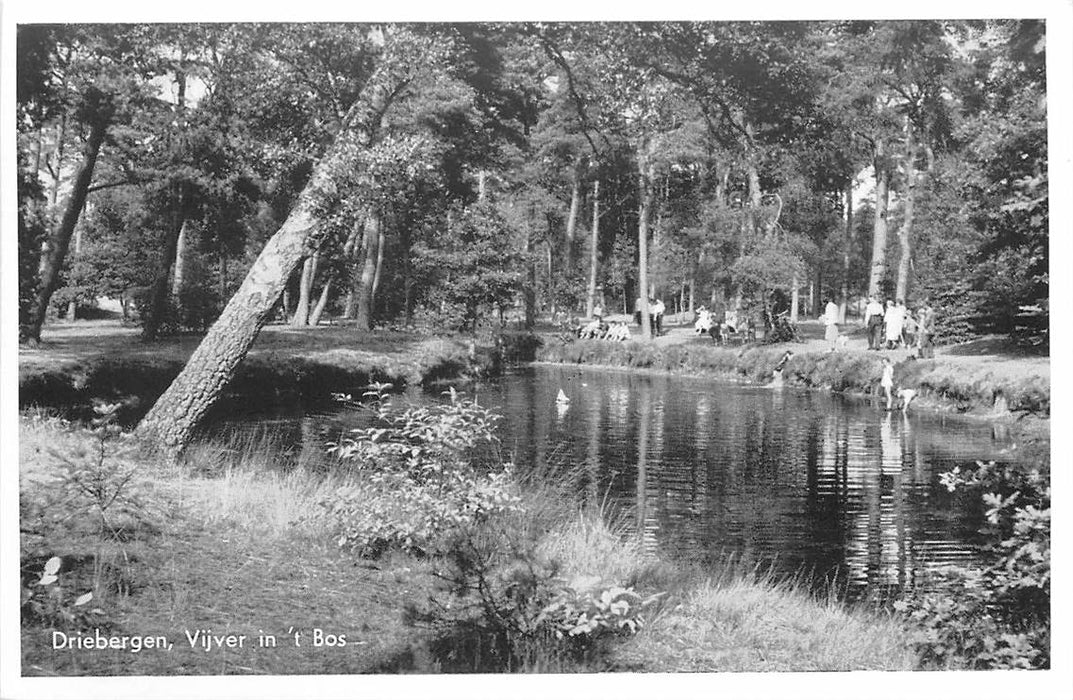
(998, 616)
(514, 171)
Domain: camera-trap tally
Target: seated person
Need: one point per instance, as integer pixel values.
(590, 329)
(704, 321)
(731, 323)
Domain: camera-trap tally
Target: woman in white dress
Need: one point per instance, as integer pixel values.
(894, 317)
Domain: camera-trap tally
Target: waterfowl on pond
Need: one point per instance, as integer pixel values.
(562, 399)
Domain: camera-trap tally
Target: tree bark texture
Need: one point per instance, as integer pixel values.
(879, 233)
(364, 292)
(60, 239)
(171, 422)
(305, 291)
(905, 231)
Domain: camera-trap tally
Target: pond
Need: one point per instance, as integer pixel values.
(830, 488)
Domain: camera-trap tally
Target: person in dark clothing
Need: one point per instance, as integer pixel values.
(873, 321)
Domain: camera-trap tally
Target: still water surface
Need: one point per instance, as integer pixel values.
(832, 488)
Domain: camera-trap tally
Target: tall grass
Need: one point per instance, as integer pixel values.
(257, 516)
(738, 624)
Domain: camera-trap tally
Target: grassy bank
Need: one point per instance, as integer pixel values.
(941, 382)
(228, 541)
(285, 364)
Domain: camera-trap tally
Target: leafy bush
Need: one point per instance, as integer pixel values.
(48, 601)
(83, 297)
(998, 616)
(423, 479)
(507, 592)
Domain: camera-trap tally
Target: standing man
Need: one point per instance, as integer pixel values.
(873, 321)
(657, 309)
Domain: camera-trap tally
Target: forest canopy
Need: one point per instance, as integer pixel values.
(465, 176)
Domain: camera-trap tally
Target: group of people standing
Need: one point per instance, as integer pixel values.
(897, 326)
(656, 310)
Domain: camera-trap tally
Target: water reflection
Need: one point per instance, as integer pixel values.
(798, 480)
(794, 479)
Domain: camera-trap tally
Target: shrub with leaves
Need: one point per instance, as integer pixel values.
(997, 616)
(421, 477)
(504, 591)
(48, 600)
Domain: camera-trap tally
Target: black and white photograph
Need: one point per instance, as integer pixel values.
(482, 356)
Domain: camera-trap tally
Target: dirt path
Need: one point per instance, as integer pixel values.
(993, 354)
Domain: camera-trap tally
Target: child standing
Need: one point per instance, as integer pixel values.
(887, 382)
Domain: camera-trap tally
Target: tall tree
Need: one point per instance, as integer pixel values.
(172, 420)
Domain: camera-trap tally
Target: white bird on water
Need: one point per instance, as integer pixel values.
(562, 399)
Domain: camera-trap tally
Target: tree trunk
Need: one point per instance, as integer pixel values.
(172, 420)
(905, 232)
(158, 291)
(644, 183)
(795, 299)
(879, 234)
(322, 303)
(571, 219)
(61, 235)
(364, 291)
(846, 242)
(353, 251)
(57, 170)
(305, 291)
(180, 260)
(594, 240)
(72, 307)
(379, 260)
(529, 290)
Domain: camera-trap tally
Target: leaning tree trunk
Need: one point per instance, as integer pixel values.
(60, 239)
(879, 234)
(594, 240)
(322, 303)
(172, 420)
